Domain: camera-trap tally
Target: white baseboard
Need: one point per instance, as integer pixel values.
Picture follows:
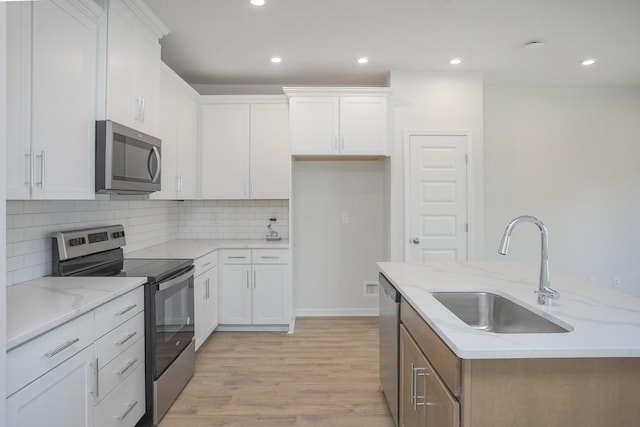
(337, 312)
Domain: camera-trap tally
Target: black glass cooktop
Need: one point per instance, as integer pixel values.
(155, 270)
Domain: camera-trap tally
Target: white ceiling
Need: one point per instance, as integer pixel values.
(231, 41)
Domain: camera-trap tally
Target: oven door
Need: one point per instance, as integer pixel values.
(173, 327)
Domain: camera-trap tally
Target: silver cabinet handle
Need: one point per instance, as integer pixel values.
(180, 187)
(42, 169)
(413, 387)
(204, 291)
(269, 257)
(30, 178)
(207, 296)
(129, 409)
(138, 116)
(143, 110)
(247, 279)
(254, 279)
(341, 143)
(206, 264)
(124, 310)
(94, 378)
(419, 372)
(64, 346)
(126, 368)
(237, 257)
(127, 338)
(335, 143)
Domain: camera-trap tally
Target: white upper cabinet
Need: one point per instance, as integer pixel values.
(178, 130)
(245, 148)
(339, 121)
(51, 86)
(129, 68)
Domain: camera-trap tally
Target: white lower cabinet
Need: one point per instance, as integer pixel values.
(206, 297)
(255, 287)
(87, 372)
(61, 397)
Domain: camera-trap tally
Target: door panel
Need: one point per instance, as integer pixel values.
(437, 198)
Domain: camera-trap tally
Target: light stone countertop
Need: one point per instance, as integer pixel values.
(194, 248)
(606, 322)
(39, 305)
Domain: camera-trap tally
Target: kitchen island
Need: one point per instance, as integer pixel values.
(452, 374)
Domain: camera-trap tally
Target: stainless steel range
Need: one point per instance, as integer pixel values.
(169, 311)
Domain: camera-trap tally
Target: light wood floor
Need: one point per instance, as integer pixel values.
(324, 374)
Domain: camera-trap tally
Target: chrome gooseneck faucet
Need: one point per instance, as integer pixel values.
(544, 291)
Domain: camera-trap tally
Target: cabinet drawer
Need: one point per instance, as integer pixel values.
(270, 256)
(236, 256)
(205, 263)
(445, 362)
(115, 342)
(111, 374)
(119, 310)
(32, 359)
(125, 405)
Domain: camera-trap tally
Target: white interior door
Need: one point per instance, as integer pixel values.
(437, 198)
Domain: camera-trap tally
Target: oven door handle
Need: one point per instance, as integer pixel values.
(176, 280)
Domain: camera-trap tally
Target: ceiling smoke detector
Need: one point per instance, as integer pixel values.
(534, 44)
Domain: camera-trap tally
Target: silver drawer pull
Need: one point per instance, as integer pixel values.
(127, 338)
(129, 409)
(204, 265)
(269, 257)
(123, 311)
(237, 257)
(64, 346)
(126, 368)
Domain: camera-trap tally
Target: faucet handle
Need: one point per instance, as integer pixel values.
(547, 293)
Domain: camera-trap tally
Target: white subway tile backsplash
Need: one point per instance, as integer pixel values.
(146, 222)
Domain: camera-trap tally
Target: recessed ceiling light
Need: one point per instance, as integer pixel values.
(363, 60)
(276, 59)
(455, 61)
(258, 2)
(588, 62)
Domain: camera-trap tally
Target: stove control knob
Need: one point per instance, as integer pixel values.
(77, 241)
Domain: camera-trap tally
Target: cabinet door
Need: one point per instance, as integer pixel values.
(169, 135)
(121, 103)
(59, 398)
(442, 409)
(187, 147)
(211, 302)
(314, 125)
(147, 79)
(270, 294)
(225, 151)
(18, 158)
(270, 156)
(199, 308)
(235, 295)
(412, 363)
(363, 126)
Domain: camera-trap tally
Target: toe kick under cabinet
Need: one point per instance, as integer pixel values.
(439, 389)
(255, 289)
(88, 372)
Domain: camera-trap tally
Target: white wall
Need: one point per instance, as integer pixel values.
(3, 157)
(570, 156)
(333, 259)
(436, 101)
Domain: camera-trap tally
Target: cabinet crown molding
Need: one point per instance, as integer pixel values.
(242, 99)
(337, 91)
(144, 13)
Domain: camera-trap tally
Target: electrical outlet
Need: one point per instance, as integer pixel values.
(616, 282)
(370, 289)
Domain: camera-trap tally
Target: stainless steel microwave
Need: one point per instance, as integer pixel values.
(127, 161)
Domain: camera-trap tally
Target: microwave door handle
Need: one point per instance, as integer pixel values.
(156, 175)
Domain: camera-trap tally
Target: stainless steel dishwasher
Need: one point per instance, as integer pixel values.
(389, 343)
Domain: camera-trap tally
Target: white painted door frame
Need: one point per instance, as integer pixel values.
(406, 138)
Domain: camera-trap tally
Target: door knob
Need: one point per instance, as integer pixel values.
(415, 241)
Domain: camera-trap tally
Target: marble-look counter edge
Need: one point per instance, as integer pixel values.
(196, 248)
(40, 305)
(606, 323)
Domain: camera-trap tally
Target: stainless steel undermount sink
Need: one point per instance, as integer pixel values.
(494, 313)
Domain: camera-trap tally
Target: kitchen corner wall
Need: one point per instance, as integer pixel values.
(570, 156)
(147, 222)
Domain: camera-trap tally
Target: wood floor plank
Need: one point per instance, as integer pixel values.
(324, 374)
